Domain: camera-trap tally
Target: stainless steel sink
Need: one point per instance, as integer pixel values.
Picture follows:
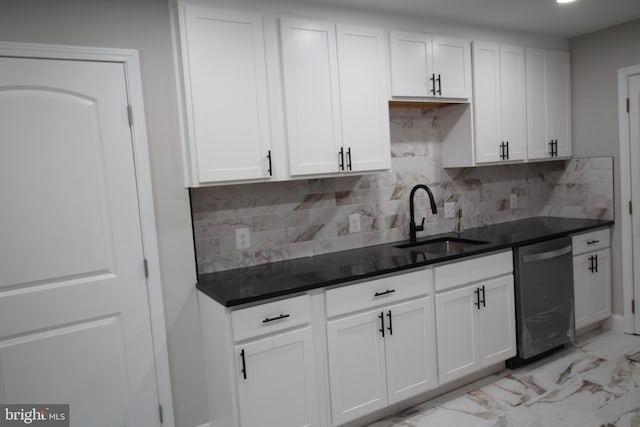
(441, 246)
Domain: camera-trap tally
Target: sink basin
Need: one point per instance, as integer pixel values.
(441, 246)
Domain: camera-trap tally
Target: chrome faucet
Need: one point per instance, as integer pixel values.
(413, 228)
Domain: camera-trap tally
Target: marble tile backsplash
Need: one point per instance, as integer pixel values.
(310, 217)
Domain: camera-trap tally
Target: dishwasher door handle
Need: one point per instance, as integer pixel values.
(541, 256)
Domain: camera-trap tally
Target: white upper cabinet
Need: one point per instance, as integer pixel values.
(335, 97)
(312, 100)
(499, 102)
(429, 66)
(362, 63)
(226, 96)
(548, 104)
(452, 67)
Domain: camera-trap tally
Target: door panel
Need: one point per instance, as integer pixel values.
(410, 349)
(364, 97)
(558, 100)
(512, 100)
(486, 74)
(356, 366)
(411, 64)
(457, 329)
(72, 287)
(67, 358)
(279, 389)
(497, 321)
(452, 63)
(310, 70)
(537, 137)
(581, 285)
(634, 141)
(601, 286)
(228, 94)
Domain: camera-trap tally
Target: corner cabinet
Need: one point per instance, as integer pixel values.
(269, 379)
(548, 104)
(384, 355)
(226, 96)
(429, 66)
(499, 103)
(334, 80)
(475, 315)
(592, 277)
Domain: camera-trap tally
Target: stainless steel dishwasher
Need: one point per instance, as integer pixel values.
(544, 298)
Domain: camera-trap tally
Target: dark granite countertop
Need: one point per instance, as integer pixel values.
(251, 284)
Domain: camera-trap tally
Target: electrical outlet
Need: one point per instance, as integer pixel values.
(514, 201)
(449, 210)
(243, 238)
(354, 223)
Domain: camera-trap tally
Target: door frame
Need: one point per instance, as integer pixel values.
(624, 139)
(130, 59)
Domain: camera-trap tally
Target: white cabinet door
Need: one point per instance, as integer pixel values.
(487, 102)
(548, 103)
(452, 67)
(312, 103)
(592, 287)
(457, 329)
(227, 106)
(581, 285)
(410, 348)
(601, 285)
(411, 64)
(499, 98)
(356, 366)
(497, 321)
(559, 101)
(276, 381)
(364, 98)
(512, 101)
(537, 139)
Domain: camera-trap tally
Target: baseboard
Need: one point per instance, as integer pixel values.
(614, 323)
(205, 425)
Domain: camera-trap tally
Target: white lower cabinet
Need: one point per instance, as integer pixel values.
(276, 384)
(592, 277)
(271, 364)
(475, 325)
(380, 357)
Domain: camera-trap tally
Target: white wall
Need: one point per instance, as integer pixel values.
(595, 60)
(145, 25)
(141, 25)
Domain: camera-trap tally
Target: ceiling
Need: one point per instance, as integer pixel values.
(534, 16)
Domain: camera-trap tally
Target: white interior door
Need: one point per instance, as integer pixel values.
(74, 316)
(634, 142)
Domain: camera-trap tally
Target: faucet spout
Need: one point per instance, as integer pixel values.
(413, 228)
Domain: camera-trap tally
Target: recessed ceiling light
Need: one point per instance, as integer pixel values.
(565, 1)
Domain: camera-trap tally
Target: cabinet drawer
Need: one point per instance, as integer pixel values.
(469, 271)
(378, 291)
(270, 317)
(591, 241)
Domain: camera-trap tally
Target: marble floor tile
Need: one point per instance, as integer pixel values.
(590, 384)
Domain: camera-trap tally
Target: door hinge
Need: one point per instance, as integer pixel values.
(130, 114)
(633, 306)
(627, 105)
(161, 414)
(146, 268)
(630, 208)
